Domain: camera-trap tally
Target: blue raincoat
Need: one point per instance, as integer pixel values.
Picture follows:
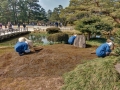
(20, 47)
(71, 40)
(102, 50)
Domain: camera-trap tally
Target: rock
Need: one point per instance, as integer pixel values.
(80, 41)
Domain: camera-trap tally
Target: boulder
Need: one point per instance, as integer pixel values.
(80, 41)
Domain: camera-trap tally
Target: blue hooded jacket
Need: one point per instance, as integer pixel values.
(20, 47)
(71, 40)
(102, 49)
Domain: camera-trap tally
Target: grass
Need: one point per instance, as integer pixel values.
(96, 41)
(5, 49)
(98, 74)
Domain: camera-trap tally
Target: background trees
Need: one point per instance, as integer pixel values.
(30, 11)
(93, 16)
(78, 9)
(21, 11)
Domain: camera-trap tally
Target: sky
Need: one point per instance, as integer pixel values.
(51, 4)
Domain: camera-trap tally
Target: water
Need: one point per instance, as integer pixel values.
(39, 39)
(36, 38)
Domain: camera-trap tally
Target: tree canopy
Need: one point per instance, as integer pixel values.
(21, 11)
(92, 16)
(78, 9)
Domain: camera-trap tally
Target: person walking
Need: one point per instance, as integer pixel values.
(24, 26)
(0, 25)
(18, 25)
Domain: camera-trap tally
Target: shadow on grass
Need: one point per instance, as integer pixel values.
(99, 40)
(95, 42)
(88, 46)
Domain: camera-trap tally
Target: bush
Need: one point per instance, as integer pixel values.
(53, 30)
(117, 40)
(58, 37)
(98, 74)
(117, 50)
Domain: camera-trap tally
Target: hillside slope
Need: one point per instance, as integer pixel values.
(42, 70)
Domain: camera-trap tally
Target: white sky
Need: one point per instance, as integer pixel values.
(51, 4)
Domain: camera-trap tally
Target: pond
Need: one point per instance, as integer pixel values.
(38, 39)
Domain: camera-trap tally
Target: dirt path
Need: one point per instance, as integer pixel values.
(41, 70)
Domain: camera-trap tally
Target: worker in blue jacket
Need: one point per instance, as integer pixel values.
(105, 49)
(22, 46)
(71, 39)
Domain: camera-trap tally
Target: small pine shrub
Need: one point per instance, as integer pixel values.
(117, 40)
(53, 30)
(98, 74)
(58, 37)
(117, 50)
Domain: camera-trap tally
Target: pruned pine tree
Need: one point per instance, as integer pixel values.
(80, 11)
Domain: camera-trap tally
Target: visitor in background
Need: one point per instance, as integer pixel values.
(5, 26)
(23, 46)
(105, 49)
(18, 25)
(0, 25)
(56, 24)
(71, 39)
(24, 26)
(10, 26)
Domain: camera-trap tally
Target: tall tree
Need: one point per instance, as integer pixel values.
(56, 12)
(49, 13)
(5, 12)
(21, 11)
(13, 8)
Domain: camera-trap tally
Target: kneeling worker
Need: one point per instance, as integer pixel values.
(71, 39)
(23, 45)
(105, 49)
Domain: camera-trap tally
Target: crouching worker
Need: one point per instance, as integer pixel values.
(23, 45)
(105, 49)
(71, 39)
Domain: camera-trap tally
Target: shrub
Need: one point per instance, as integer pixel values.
(117, 40)
(98, 74)
(117, 36)
(117, 50)
(53, 30)
(58, 37)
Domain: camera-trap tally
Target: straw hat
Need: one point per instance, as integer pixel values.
(21, 39)
(29, 42)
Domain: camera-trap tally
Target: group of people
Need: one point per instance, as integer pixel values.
(102, 51)
(24, 45)
(9, 25)
(24, 25)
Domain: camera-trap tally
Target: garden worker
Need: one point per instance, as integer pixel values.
(23, 45)
(105, 49)
(71, 39)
